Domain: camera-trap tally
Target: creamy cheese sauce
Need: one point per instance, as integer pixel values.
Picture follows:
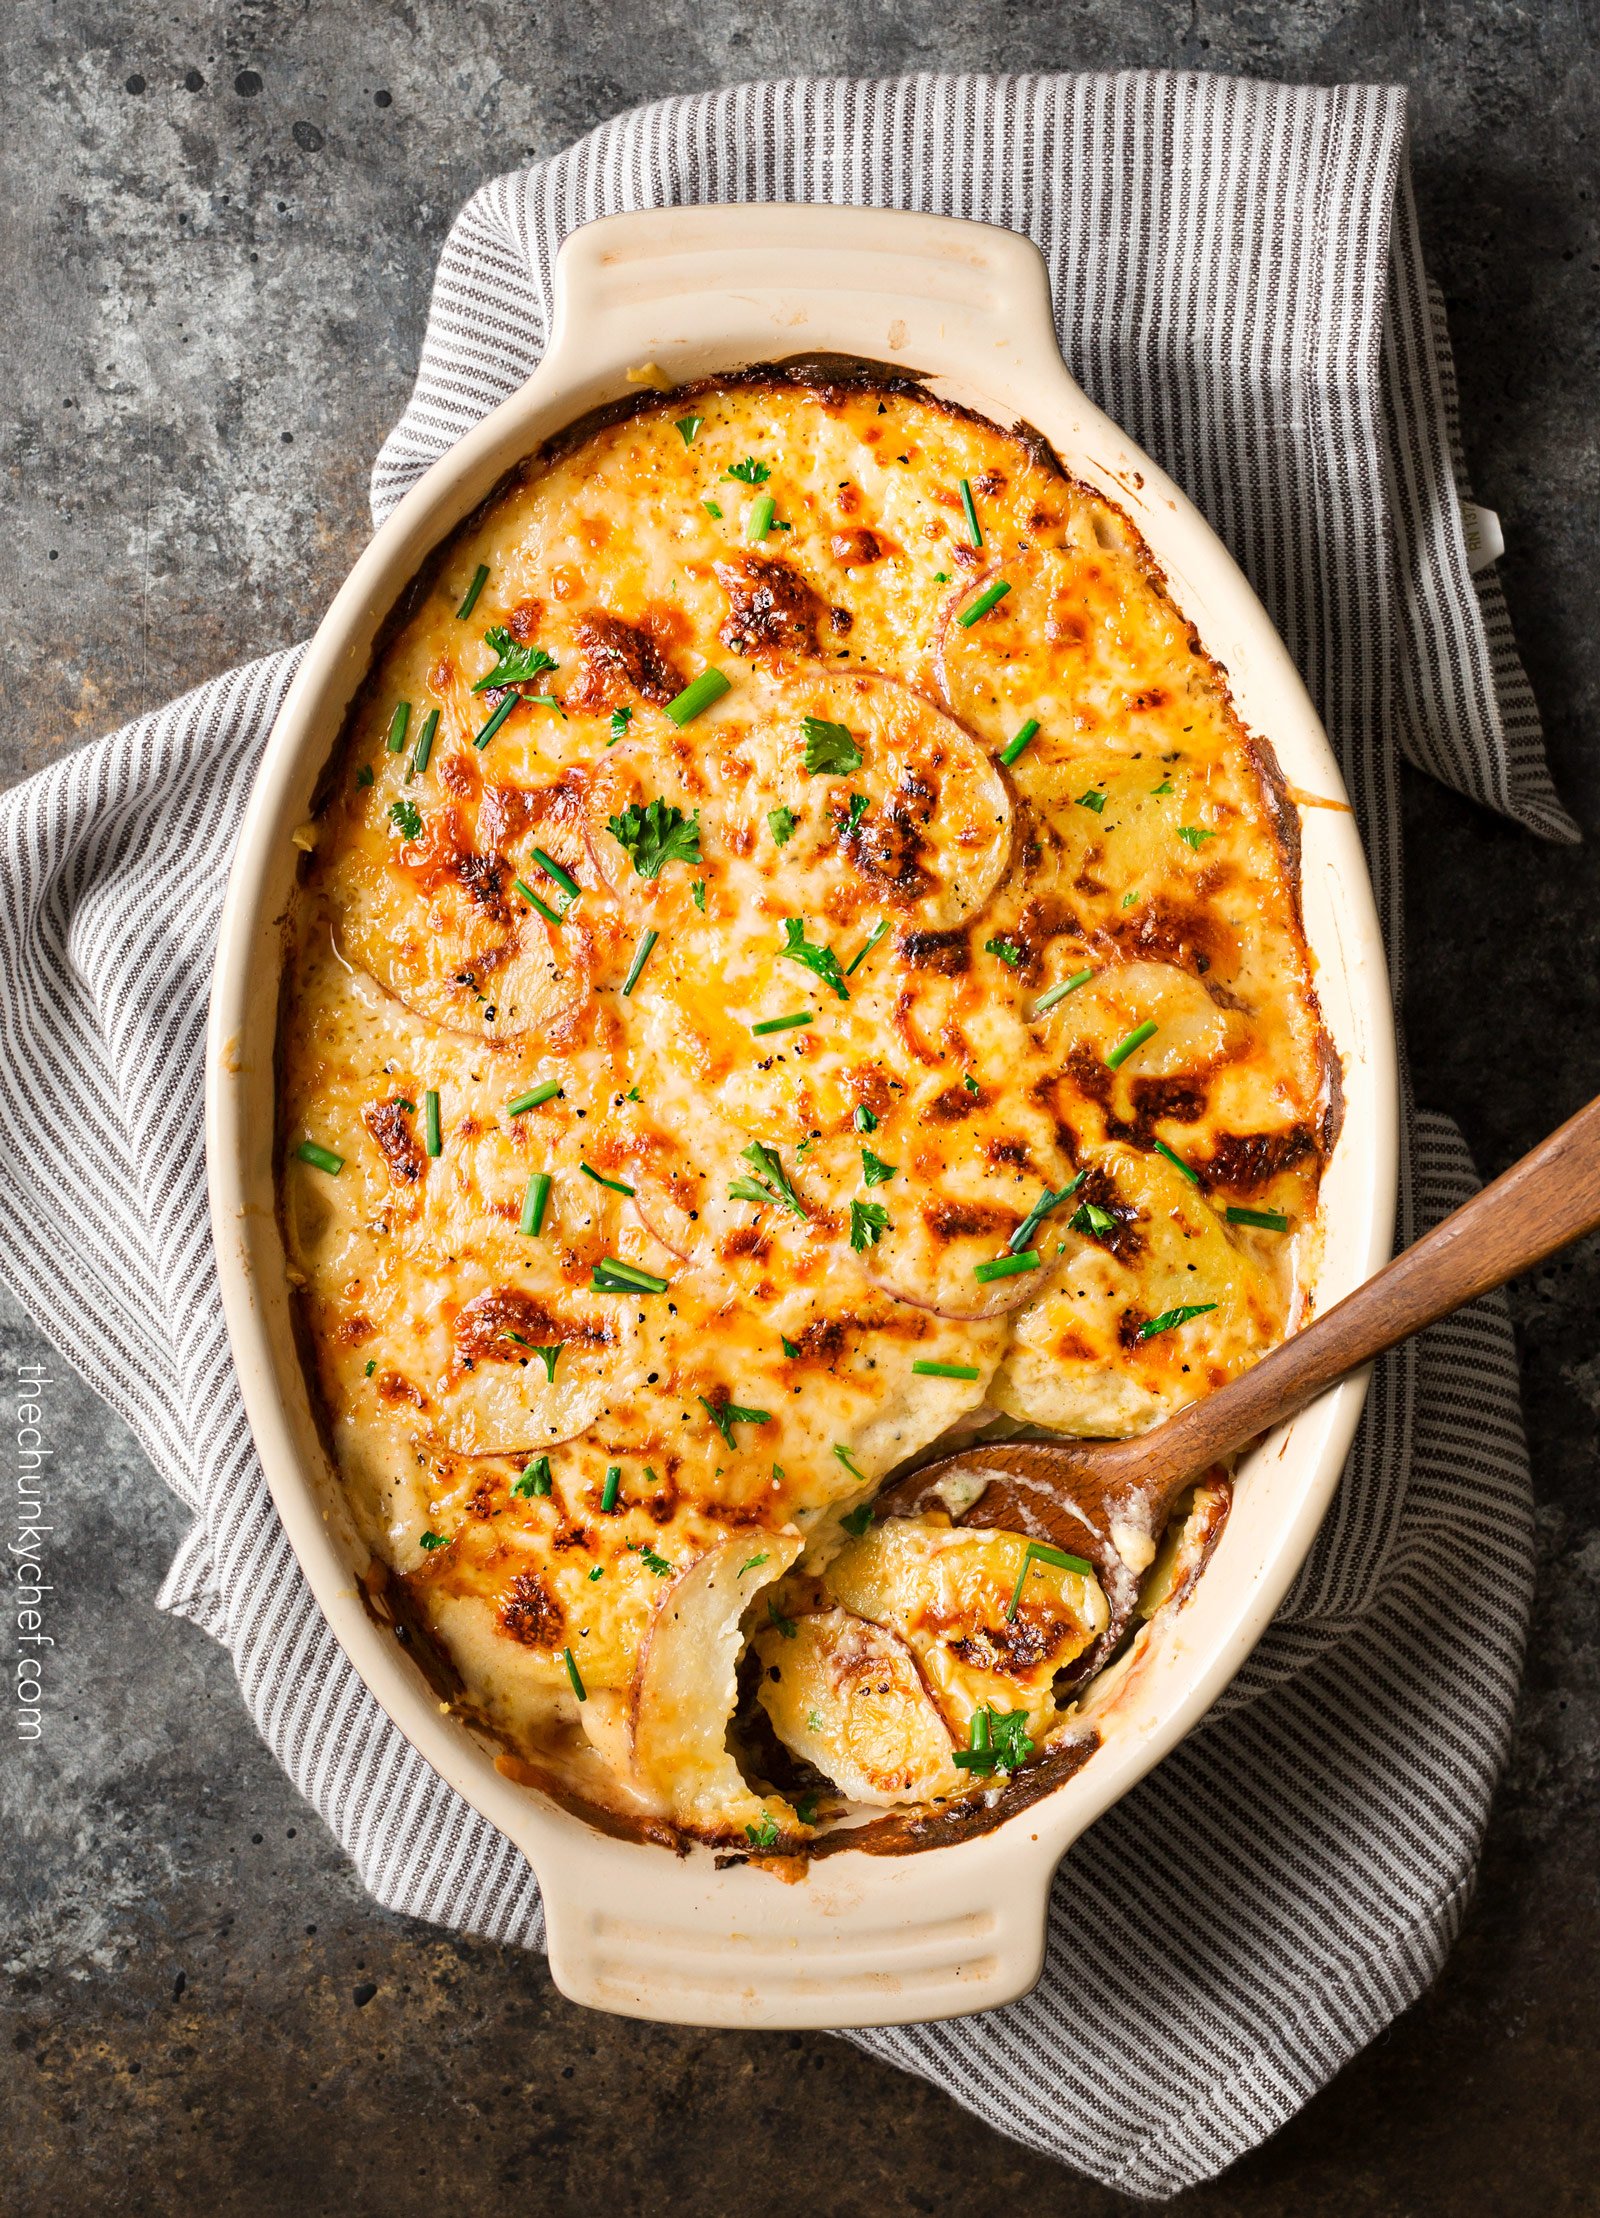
(688, 1074)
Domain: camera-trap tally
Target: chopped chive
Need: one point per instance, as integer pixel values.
(686, 427)
(433, 1138)
(640, 958)
(616, 1184)
(534, 1098)
(1268, 1220)
(877, 933)
(572, 1674)
(973, 524)
(1047, 1001)
(533, 1204)
(782, 1024)
(424, 746)
(924, 1370)
(598, 1572)
(990, 597)
(398, 726)
(1040, 1551)
(713, 508)
(698, 694)
(1170, 1317)
(612, 1276)
(551, 916)
(364, 775)
(849, 1462)
(563, 878)
(498, 718)
(1048, 1200)
(474, 589)
(549, 1357)
(1025, 738)
(1177, 1162)
(608, 1500)
(320, 1158)
(1007, 1266)
(791, 1348)
(760, 519)
(1125, 1047)
(536, 1478)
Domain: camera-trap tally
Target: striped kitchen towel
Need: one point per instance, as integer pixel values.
(1237, 279)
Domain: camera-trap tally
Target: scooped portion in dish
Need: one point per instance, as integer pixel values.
(797, 967)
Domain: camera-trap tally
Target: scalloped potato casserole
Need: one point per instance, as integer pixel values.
(797, 964)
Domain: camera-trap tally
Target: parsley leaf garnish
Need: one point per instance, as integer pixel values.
(773, 1184)
(1093, 799)
(620, 720)
(406, 817)
(997, 1741)
(725, 1415)
(430, 1541)
(764, 1835)
(781, 823)
(857, 1520)
(698, 889)
(751, 1563)
(865, 1121)
(812, 956)
(869, 1221)
(830, 748)
(1090, 1218)
(517, 665)
(1007, 950)
(1193, 836)
(785, 1625)
(749, 471)
(686, 427)
(1170, 1317)
(859, 805)
(874, 1170)
(655, 836)
(652, 1562)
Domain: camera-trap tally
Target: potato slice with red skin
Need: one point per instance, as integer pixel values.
(846, 1696)
(931, 846)
(1076, 1362)
(947, 1592)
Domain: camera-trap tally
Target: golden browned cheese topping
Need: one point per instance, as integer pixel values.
(784, 897)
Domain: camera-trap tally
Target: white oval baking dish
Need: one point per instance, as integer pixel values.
(862, 1939)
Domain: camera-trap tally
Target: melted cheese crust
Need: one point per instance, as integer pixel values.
(683, 1548)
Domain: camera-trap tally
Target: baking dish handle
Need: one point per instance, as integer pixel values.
(669, 293)
(856, 1940)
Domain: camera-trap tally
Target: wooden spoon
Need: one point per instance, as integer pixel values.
(1110, 1500)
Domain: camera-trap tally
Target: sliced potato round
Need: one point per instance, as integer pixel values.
(685, 1690)
(1077, 1362)
(847, 1697)
(990, 1622)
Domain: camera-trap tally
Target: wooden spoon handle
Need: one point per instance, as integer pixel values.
(1550, 1198)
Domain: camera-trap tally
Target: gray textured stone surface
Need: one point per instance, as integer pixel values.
(220, 225)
